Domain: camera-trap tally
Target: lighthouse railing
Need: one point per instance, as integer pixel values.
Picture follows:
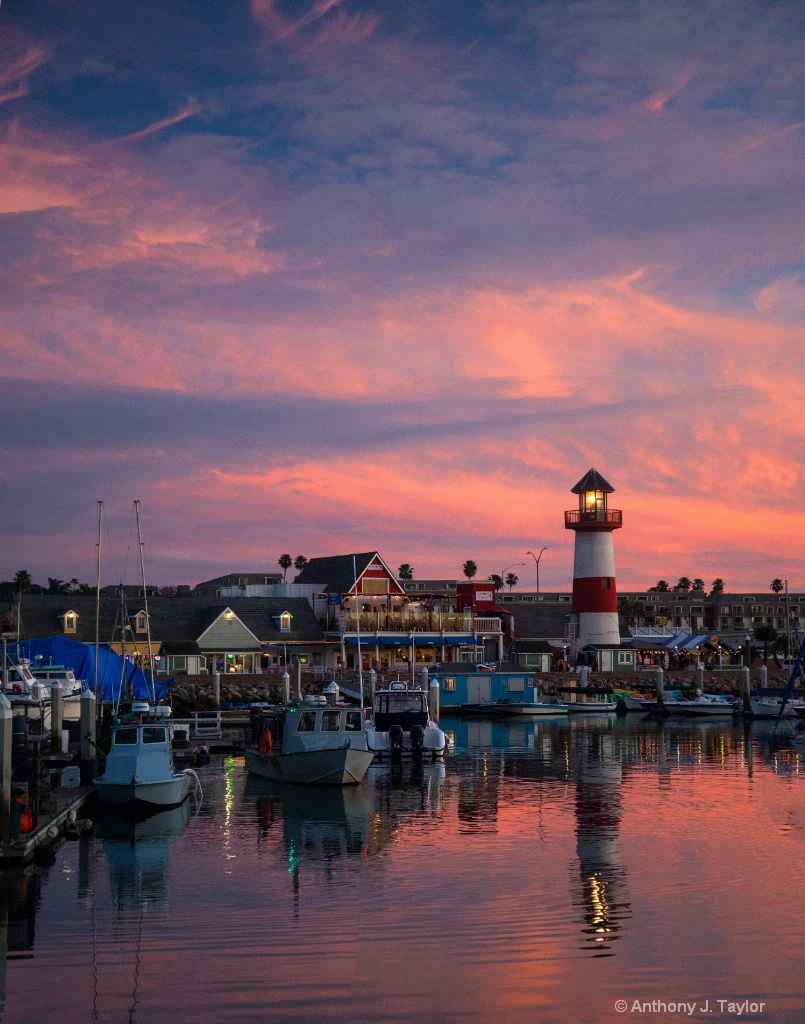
(610, 516)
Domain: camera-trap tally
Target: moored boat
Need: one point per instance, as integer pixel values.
(310, 744)
(401, 723)
(139, 772)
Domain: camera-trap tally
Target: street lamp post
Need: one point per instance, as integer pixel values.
(507, 569)
(536, 563)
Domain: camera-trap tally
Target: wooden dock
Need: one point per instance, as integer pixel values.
(65, 800)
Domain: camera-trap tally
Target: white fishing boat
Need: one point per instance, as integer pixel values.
(591, 706)
(505, 708)
(401, 723)
(769, 707)
(706, 705)
(311, 744)
(71, 688)
(139, 772)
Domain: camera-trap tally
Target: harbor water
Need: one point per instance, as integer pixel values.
(590, 870)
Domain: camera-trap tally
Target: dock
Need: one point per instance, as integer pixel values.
(68, 801)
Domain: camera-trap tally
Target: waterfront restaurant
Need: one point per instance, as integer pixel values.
(364, 607)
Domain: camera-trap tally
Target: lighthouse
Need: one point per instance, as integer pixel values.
(595, 601)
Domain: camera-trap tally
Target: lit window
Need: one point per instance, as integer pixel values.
(448, 684)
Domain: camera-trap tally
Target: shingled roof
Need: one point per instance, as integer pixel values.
(172, 618)
(336, 574)
(592, 481)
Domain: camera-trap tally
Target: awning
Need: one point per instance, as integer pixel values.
(418, 639)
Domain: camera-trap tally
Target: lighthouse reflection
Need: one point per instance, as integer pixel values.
(598, 773)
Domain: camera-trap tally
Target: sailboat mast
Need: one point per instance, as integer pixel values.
(145, 600)
(358, 626)
(98, 598)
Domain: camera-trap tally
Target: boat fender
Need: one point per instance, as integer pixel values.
(396, 737)
(26, 820)
(417, 737)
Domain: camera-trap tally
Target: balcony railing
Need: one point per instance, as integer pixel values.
(611, 517)
(447, 622)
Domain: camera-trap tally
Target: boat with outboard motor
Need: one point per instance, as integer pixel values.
(400, 723)
(310, 742)
(139, 771)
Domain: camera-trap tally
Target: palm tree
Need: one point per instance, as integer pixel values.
(299, 563)
(777, 585)
(699, 584)
(22, 579)
(284, 562)
(511, 580)
(662, 586)
(717, 586)
(683, 583)
(631, 611)
(495, 580)
(470, 569)
(406, 571)
(766, 635)
(56, 586)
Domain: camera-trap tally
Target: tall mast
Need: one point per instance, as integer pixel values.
(358, 626)
(145, 600)
(122, 643)
(98, 597)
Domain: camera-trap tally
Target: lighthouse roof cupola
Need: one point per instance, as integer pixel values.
(593, 513)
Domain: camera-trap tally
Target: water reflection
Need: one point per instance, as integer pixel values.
(327, 830)
(598, 771)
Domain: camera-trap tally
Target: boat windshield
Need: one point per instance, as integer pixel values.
(354, 721)
(330, 721)
(125, 736)
(153, 734)
(307, 722)
(399, 701)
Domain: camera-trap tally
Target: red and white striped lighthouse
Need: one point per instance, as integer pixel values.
(595, 601)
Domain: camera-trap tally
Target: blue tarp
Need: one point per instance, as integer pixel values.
(59, 650)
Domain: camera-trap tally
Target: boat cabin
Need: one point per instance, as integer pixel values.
(400, 706)
(306, 726)
(139, 750)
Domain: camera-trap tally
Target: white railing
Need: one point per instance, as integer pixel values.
(487, 625)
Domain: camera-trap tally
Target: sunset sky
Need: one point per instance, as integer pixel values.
(322, 276)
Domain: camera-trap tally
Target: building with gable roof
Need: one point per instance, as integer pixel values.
(362, 605)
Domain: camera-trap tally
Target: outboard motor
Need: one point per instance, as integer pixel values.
(396, 741)
(417, 741)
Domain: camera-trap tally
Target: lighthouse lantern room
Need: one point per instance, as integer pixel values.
(595, 601)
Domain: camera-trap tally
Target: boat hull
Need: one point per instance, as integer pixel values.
(592, 707)
(769, 709)
(162, 794)
(342, 766)
(526, 708)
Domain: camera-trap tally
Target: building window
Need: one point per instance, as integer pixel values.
(285, 622)
(141, 622)
(448, 684)
(70, 622)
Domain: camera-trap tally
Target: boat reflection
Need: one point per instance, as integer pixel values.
(327, 830)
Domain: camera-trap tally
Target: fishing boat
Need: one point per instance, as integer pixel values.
(400, 723)
(71, 688)
(311, 744)
(591, 706)
(769, 707)
(506, 708)
(139, 772)
(706, 705)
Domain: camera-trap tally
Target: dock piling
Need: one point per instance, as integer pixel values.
(746, 689)
(216, 688)
(433, 700)
(88, 725)
(55, 717)
(660, 689)
(5, 767)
